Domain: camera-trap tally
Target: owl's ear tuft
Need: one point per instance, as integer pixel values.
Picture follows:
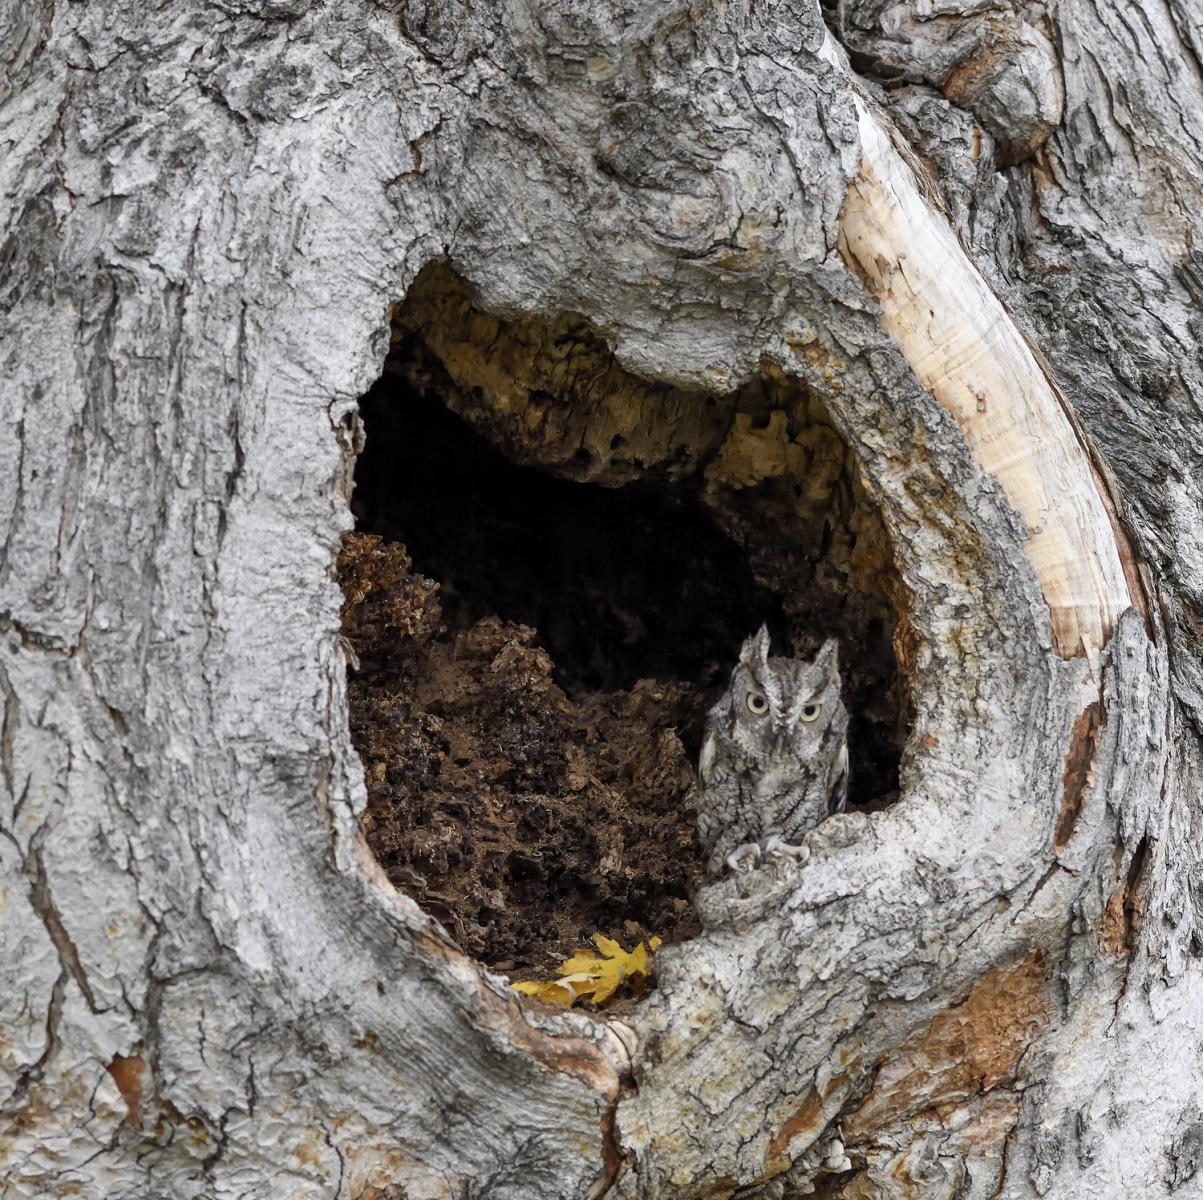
(827, 660)
(755, 651)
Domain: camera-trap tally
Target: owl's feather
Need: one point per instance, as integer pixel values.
(774, 762)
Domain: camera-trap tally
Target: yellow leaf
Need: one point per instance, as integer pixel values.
(636, 963)
(582, 960)
(566, 990)
(608, 978)
(595, 976)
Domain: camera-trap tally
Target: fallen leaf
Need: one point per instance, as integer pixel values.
(596, 976)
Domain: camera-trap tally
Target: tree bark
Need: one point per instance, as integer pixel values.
(970, 233)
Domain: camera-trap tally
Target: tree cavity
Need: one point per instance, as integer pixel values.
(554, 565)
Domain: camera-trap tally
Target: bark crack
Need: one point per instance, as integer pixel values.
(43, 905)
(30, 1074)
(7, 737)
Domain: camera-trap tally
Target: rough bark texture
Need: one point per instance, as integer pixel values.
(989, 988)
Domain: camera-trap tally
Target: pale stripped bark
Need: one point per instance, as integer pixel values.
(991, 988)
(967, 351)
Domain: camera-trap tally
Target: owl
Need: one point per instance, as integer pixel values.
(774, 762)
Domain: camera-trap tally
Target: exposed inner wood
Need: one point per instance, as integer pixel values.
(811, 1116)
(1125, 907)
(1079, 770)
(950, 1083)
(132, 1077)
(965, 348)
(968, 1049)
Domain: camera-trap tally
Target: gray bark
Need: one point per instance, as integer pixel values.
(991, 988)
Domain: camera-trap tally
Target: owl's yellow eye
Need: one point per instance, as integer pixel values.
(811, 712)
(757, 704)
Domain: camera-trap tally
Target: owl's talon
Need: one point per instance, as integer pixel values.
(776, 848)
(744, 858)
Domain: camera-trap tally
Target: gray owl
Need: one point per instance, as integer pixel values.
(775, 759)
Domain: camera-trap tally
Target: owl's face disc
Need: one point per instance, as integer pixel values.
(782, 711)
(782, 708)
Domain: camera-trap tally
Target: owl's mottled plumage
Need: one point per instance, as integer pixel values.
(774, 761)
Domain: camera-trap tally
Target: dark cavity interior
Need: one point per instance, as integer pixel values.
(621, 583)
(546, 591)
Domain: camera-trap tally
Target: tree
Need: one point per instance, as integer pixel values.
(969, 234)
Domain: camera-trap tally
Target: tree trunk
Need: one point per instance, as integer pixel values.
(968, 235)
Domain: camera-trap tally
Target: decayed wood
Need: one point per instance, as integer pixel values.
(208, 213)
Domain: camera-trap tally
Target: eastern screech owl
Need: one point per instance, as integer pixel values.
(775, 759)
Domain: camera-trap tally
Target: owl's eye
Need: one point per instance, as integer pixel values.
(811, 712)
(757, 704)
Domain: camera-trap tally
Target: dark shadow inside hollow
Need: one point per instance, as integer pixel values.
(588, 552)
(621, 583)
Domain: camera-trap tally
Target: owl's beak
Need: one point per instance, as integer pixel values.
(780, 736)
